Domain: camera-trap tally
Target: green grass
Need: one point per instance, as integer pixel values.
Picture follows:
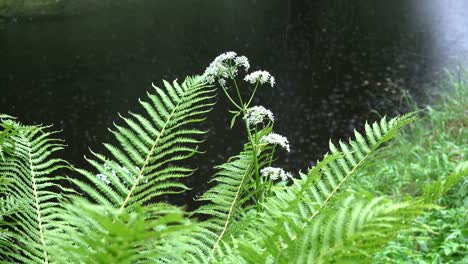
(440, 237)
(429, 151)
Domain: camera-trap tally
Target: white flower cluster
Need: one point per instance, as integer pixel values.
(220, 68)
(276, 139)
(242, 61)
(260, 76)
(256, 114)
(275, 173)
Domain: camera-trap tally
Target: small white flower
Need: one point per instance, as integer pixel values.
(228, 55)
(210, 78)
(225, 66)
(276, 139)
(256, 114)
(222, 82)
(272, 81)
(103, 178)
(242, 61)
(275, 173)
(219, 67)
(260, 76)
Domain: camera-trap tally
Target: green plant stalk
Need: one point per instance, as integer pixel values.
(253, 141)
(253, 94)
(229, 97)
(269, 164)
(259, 184)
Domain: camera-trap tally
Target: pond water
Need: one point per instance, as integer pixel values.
(337, 63)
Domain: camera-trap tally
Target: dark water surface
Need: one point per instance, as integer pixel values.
(337, 63)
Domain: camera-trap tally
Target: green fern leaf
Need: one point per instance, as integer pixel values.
(35, 187)
(101, 234)
(350, 233)
(356, 230)
(224, 202)
(295, 208)
(144, 165)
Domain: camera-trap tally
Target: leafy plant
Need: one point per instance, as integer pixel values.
(102, 234)
(440, 237)
(429, 160)
(145, 165)
(8, 130)
(255, 213)
(34, 184)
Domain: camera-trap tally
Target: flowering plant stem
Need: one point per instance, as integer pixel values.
(270, 182)
(252, 96)
(230, 98)
(253, 142)
(226, 66)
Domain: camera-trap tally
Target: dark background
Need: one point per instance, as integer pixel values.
(337, 63)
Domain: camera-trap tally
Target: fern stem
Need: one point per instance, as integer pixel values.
(150, 153)
(231, 209)
(331, 194)
(36, 202)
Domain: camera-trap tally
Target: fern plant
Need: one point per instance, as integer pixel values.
(290, 212)
(223, 203)
(101, 234)
(146, 163)
(8, 206)
(8, 130)
(34, 183)
(255, 213)
(349, 233)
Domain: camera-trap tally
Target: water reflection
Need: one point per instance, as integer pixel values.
(447, 22)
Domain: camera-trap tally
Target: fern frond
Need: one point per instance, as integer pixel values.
(224, 202)
(7, 131)
(434, 191)
(8, 206)
(35, 186)
(144, 165)
(293, 209)
(100, 234)
(4, 117)
(350, 233)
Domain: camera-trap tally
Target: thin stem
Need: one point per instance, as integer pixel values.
(231, 209)
(270, 184)
(271, 155)
(229, 97)
(252, 96)
(147, 160)
(258, 192)
(238, 91)
(253, 142)
(36, 202)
